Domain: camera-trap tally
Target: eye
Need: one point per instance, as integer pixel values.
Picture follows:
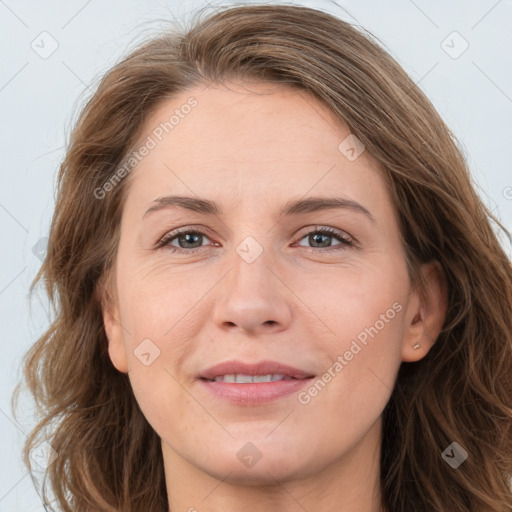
(322, 238)
(187, 240)
(182, 240)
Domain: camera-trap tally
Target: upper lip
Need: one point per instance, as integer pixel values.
(260, 368)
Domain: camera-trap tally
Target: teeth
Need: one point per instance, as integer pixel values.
(262, 378)
(249, 379)
(244, 379)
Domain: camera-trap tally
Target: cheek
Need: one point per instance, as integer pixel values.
(364, 312)
(366, 361)
(346, 400)
(158, 299)
(161, 314)
(363, 299)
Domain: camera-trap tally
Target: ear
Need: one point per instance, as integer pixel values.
(107, 297)
(425, 314)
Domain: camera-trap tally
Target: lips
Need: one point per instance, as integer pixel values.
(250, 385)
(260, 368)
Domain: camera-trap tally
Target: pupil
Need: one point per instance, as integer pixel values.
(188, 236)
(317, 236)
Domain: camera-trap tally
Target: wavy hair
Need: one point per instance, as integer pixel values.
(109, 457)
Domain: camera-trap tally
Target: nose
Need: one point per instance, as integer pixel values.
(253, 297)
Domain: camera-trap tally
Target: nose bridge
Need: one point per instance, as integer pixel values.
(250, 276)
(251, 296)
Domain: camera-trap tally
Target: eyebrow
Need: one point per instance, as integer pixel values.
(293, 207)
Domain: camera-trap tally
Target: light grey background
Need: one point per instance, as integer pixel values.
(40, 95)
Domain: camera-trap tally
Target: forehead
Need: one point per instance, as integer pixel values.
(258, 140)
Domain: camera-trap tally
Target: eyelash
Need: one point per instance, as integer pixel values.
(344, 240)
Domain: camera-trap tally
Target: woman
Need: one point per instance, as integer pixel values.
(338, 335)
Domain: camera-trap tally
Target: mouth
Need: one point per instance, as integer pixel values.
(247, 373)
(251, 379)
(253, 384)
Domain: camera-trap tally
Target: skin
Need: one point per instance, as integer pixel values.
(251, 147)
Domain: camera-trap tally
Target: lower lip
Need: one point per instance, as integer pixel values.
(254, 393)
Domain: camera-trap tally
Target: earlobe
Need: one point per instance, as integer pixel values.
(426, 314)
(112, 326)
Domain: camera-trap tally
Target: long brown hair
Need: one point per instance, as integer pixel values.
(109, 457)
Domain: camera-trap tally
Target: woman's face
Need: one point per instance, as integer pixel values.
(262, 170)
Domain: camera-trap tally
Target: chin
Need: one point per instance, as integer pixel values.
(262, 473)
(259, 463)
